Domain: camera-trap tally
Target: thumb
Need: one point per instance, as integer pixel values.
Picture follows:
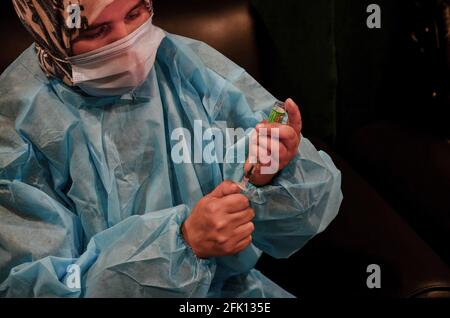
(226, 188)
(295, 117)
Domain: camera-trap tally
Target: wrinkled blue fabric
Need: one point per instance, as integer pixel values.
(90, 181)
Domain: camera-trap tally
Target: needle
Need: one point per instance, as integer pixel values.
(244, 183)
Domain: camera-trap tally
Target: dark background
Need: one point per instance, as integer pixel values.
(377, 100)
(346, 75)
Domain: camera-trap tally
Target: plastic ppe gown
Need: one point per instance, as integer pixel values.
(88, 183)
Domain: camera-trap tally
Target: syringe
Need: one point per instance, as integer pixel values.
(277, 115)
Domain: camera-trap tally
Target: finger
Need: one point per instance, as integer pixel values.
(295, 116)
(274, 129)
(286, 134)
(243, 231)
(264, 151)
(234, 203)
(224, 189)
(243, 217)
(253, 148)
(267, 145)
(289, 138)
(243, 244)
(262, 128)
(276, 158)
(270, 151)
(261, 150)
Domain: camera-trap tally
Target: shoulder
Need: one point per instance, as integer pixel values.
(23, 77)
(20, 83)
(197, 54)
(211, 73)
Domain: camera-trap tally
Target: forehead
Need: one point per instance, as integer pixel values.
(89, 9)
(95, 11)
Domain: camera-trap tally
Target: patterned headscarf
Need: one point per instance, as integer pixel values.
(51, 24)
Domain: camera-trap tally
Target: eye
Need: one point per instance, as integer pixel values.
(95, 34)
(134, 14)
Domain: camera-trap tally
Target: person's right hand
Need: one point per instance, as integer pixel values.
(221, 223)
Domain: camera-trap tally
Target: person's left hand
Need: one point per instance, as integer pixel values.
(280, 151)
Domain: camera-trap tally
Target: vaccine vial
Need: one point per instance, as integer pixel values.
(278, 113)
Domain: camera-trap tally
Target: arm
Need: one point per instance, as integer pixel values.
(303, 199)
(299, 204)
(232, 99)
(137, 255)
(41, 236)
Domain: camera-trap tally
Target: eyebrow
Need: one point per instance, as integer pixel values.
(95, 26)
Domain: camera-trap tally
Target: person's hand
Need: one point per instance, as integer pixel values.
(220, 224)
(280, 151)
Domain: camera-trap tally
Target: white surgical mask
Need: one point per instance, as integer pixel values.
(119, 67)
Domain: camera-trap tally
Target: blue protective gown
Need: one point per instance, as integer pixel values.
(90, 181)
